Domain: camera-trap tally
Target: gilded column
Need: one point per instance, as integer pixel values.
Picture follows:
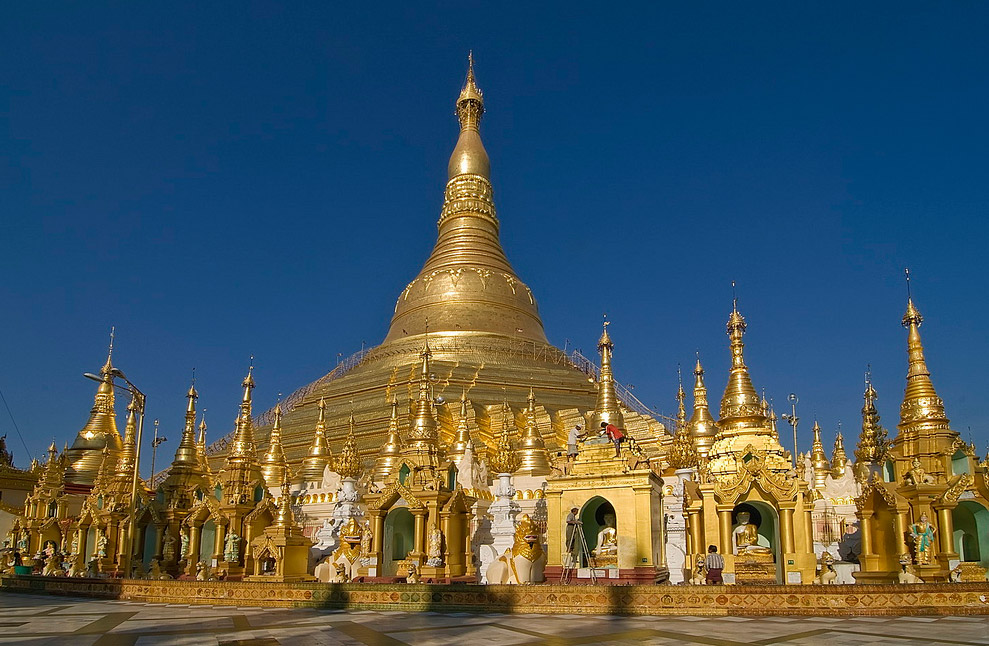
(724, 524)
(420, 530)
(866, 529)
(947, 531)
(808, 531)
(378, 535)
(218, 541)
(192, 556)
(786, 529)
(901, 532)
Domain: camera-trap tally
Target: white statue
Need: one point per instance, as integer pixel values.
(522, 563)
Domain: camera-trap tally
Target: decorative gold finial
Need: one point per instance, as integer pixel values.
(243, 450)
(470, 103)
(505, 459)
(349, 465)
(682, 453)
(873, 442)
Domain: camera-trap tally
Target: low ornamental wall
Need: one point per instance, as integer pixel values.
(821, 600)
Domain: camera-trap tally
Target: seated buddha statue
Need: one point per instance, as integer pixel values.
(746, 536)
(607, 543)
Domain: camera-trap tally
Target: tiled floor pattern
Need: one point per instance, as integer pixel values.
(38, 620)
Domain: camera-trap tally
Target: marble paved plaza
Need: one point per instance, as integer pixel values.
(70, 621)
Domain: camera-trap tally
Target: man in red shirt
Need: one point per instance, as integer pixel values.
(616, 435)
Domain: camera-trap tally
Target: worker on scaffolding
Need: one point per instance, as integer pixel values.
(573, 522)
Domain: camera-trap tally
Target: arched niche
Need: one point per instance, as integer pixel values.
(399, 539)
(764, 517)
(971, 538)
(150, 543)
(207, 537)
(595, 515)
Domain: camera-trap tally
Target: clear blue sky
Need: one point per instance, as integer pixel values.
(225, 179)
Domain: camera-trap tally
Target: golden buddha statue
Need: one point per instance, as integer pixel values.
(746, 536)
(607, 543)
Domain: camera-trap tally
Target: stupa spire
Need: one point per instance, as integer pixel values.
(504, 458)
(348, 463)
(423, 435)
(607, 408)
(86, 453)
(741, 408)
(921, 405)
(819, 459)
(391, 451)
(186, 455)
(532, 449)
(462, 436)
(682, 453)
(201, 446)
(467, 284)
(702, 425)
(838, 456)
(243, 449)
(125, 464)
(873, 441)
(319, 455)
(274, 468)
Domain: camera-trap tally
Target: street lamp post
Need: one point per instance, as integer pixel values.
(793, 420)
(155, 443)
(131, 525)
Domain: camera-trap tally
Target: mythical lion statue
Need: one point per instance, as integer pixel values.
(699, 575)
(524, 561)
(907, 573)
(346, 560)
(828, 575)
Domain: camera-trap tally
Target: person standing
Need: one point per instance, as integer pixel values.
(575, 434)
(714, 563)
(573, 522)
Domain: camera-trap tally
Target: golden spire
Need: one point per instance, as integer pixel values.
(607, 408)
(100, 431)
(819, 460)
(838, 457)
(467, 285)
(702, 425)
(532, 450)
(873, 442)
(391, 451)
(681, 398)
(348, 464)
(682, 453)
(922, 410)
(741, 407)
(186, 456)
(243, 449)
(201, 447)
(462, 437)
(274, 468)
(285, 519)
(125, 464)
(422, 435)
(504, 459)
(319, 451)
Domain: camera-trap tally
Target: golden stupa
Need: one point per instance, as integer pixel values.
(483, 329)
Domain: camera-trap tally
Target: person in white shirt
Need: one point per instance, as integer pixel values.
(575, 434)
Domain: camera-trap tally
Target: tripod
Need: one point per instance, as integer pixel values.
(572, 561)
